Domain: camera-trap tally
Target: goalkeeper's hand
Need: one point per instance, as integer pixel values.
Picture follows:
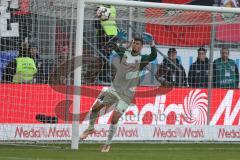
(148, 38)
(122, 35)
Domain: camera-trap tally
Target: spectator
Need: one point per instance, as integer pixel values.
(176, 73)
(22, 69)
(225, 71)
(33, 50)
(106, 29)
(230, 3)
(161, 76)
(198, 73)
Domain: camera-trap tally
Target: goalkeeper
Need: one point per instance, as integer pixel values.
(121, 93)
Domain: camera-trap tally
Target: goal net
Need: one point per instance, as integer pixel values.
(190, 92)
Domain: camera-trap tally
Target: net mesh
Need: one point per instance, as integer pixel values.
(171, 92)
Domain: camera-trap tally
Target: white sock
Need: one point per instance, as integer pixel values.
(111, 132)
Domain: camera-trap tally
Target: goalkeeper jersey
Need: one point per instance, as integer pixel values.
(129, 72)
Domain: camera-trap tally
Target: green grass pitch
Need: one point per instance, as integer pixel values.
(124, 151)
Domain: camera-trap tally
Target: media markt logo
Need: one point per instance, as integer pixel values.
(121, 132)
(42, 132)
(228, 133)
(179, 132)
(195, 108)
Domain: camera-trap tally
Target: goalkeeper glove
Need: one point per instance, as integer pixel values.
(122, 35)
(147, 37)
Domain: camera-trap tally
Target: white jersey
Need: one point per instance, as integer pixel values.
(128, 73)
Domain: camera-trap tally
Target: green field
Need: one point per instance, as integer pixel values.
(124, 151)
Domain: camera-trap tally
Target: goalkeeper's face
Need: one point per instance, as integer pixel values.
(137, 46)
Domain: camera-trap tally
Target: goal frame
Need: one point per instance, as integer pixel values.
(79, 43)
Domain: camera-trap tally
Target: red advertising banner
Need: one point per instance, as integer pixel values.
(185, 36)
(182, 28)
(228, 32)
(179, 28)
(181, 106)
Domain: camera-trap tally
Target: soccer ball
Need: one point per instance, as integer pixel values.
(103, 13)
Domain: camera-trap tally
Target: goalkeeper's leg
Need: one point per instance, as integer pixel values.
(105, 99)
(119, 110)
(93, 116)
(112, 129)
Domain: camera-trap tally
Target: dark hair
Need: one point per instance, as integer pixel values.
(225, 48)
(170, 50)
(138, 39)
(24, 51)
(201, 49)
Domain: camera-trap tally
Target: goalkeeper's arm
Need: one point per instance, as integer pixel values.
(112, 43)
(148, 58)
